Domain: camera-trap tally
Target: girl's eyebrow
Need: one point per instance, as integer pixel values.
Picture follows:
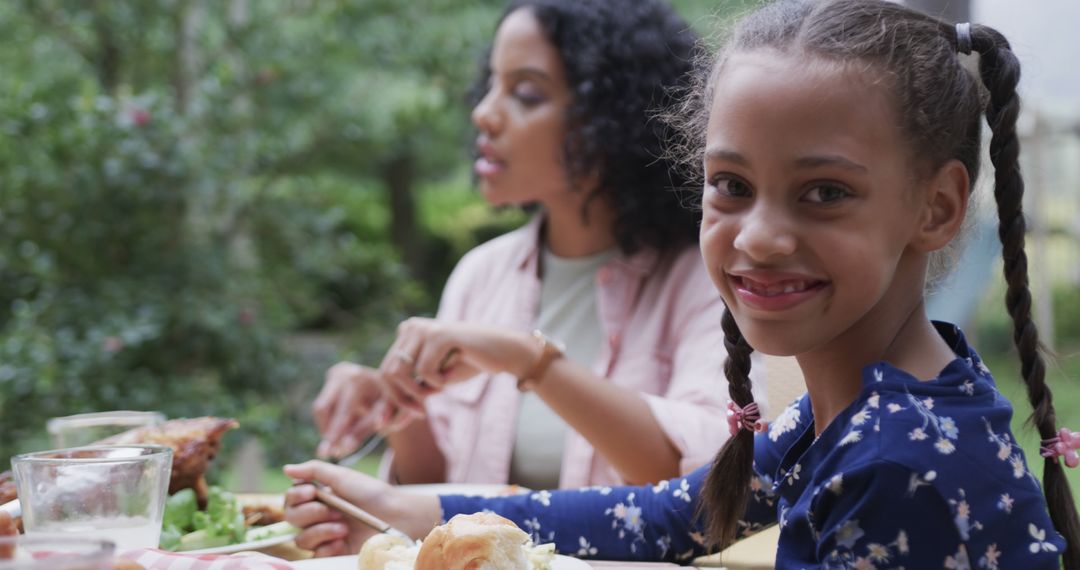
(724, 154)
(811, 161)
(830, 160)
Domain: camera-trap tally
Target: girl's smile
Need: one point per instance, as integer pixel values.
(768, 290)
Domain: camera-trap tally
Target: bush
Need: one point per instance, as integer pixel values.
(1067, 315)
(119, 289)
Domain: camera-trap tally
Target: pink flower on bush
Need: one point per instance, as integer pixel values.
(113, 344)
(139, 117)
(246, 316)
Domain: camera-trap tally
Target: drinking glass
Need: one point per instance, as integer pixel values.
(84, 429)
(54, 553)
(106, 492)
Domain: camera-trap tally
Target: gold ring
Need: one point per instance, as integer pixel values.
(398, 353)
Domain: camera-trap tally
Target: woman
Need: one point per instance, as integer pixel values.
(609, 265)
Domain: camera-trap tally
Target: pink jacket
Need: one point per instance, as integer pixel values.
(662, 321)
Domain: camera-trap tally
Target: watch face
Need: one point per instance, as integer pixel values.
(549, 342)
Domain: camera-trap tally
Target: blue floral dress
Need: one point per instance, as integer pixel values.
(913, 475)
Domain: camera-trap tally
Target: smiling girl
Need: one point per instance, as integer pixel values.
(840, 143)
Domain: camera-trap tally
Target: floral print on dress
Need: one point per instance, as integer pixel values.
(627, 521)
(786, 422)
(542, 497)
(990, 559)
(586, 548)
(867, 555)
(1040, 544)
(1009, 452)
(533, 527)
(944, 427)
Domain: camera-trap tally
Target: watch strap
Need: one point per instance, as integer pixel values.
(550, 351)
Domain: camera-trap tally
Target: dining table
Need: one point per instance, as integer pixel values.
(754, 553)
(613, 565)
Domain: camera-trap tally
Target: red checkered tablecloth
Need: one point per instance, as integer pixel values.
(153, 559)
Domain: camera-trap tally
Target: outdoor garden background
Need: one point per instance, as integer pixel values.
(204, 204)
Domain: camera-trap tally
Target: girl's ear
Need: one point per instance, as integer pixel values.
(944, 207)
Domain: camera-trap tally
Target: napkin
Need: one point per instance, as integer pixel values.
(154, 559)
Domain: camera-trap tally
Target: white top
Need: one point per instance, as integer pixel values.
(568, 313)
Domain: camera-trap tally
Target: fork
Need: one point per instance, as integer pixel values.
(369, 446)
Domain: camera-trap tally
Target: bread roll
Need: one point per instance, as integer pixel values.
(481, 541)
(385, 552)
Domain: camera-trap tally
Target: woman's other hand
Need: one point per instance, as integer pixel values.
(327, 532)
(429, 354)
(349, 408)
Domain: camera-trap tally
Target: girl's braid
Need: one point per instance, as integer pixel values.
(1000, 72)
(727, 487)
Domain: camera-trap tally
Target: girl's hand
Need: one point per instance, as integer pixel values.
(349, 408)
(328, 532)
(428, 354)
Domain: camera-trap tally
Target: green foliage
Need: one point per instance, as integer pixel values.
(175, 183)
(1067, 315)
(111, 297)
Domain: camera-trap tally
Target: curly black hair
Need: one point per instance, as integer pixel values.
(623, 60)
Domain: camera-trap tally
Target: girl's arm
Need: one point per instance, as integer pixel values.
(614, 523)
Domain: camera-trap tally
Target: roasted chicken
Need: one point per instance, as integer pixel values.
(194, 441)
(7, 528)
(7, 487)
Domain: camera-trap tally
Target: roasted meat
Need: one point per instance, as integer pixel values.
(263, 514)
(194, 441)
(7, 487)
(7, 528)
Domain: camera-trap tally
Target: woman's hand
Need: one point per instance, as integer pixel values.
(349, 408)
(429, 354)
(328, 532)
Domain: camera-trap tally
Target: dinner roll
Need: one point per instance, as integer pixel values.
(385, 552)
(481, 541)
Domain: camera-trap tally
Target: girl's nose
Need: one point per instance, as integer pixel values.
(486, 116)
(766, 234)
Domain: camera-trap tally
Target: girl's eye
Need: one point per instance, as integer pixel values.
(827, 193)
(730, 187)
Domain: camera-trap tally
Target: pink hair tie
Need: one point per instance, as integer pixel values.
(1064, 445)
(748, 418)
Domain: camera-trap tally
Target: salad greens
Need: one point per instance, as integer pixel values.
(185, 527)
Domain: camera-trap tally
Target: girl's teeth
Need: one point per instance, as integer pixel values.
(782, 288)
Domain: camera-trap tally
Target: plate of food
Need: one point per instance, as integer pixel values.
(486, 539)
(229, 523)
(203, 519)
(200, 518)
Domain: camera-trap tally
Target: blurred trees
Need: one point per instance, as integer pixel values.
(183, 181)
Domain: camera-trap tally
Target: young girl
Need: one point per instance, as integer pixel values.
(841, 142)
